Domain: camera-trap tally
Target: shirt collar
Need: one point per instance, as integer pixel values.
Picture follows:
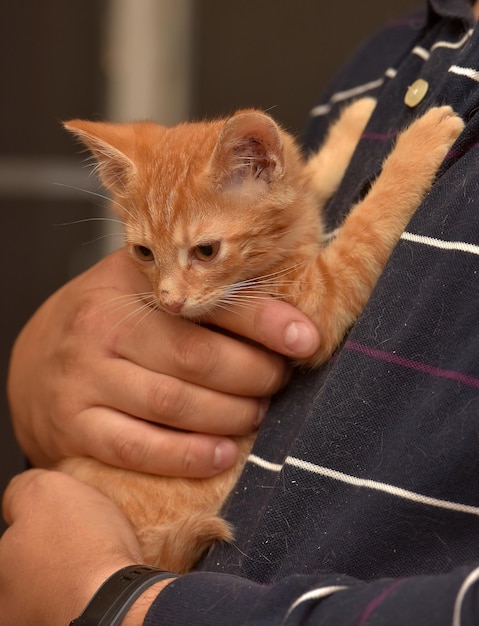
(451, 9)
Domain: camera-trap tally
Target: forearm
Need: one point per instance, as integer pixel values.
(204, 599)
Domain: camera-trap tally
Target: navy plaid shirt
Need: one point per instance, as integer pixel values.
(360, 502)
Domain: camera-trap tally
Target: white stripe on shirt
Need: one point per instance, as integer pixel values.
(469, 72)
(367, 483)
(315, 594)
(257, 460)
(450, 44)
(466, 585)
(461, 246)
(421, 52)
(324, 109)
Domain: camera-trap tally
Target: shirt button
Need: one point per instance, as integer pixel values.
(416, 92)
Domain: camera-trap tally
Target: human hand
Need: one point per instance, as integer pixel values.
(64, 540)
(90, 361)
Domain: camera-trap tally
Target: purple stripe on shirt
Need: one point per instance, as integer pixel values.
(395, 359)
(376, 602)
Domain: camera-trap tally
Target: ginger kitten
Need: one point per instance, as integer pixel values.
(218, 212)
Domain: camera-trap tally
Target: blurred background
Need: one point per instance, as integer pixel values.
(167, 60)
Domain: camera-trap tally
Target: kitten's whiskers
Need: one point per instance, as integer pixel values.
(103, 197)
(143, 304)
(247, 293)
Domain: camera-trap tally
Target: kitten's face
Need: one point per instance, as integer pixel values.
(198, 246)
(204, 205)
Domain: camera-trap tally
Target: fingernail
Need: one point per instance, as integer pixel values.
(299, 338)
(263, 407)
(225, 454)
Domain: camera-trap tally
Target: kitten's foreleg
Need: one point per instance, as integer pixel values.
(347, 269)
(326, 168)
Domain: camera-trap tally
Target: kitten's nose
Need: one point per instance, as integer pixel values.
(173, 307)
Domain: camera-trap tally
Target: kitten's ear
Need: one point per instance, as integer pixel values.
(249, 150)
(106, 141)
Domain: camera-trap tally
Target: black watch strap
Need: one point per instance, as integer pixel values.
(113, 599)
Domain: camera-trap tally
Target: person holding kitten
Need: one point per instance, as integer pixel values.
(360, 503)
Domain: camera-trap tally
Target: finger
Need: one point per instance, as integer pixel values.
(199, 355)
(275, 324)
(123, 441)
(176, 403)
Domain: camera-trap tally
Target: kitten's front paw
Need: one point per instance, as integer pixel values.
(436, 131)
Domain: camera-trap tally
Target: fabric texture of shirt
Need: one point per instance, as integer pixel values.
(360, 501)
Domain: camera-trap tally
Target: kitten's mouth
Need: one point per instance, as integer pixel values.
(181, 309)
(174, 308)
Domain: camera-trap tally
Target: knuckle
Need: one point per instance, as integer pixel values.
(245, 421)
(129, 450)
(86, 316)
(167, 400)
(196, 353)
(93, 321)
(189, 459)
(273, 376)
(69, 364)
(45, 482)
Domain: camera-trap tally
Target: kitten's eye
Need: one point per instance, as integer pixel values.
(206, 251)
(143, 253)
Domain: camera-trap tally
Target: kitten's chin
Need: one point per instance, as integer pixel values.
(193, 312)
(198, 313)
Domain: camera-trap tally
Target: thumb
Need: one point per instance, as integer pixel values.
(17, 493)
(276, 325)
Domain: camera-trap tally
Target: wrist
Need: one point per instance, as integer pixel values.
(127, 592)
(137, 613)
